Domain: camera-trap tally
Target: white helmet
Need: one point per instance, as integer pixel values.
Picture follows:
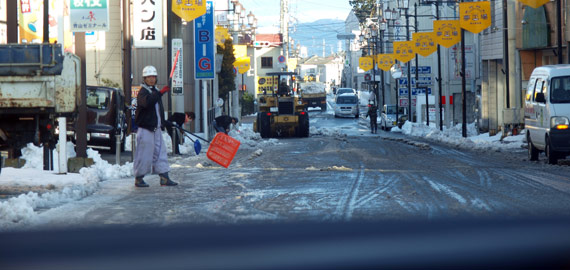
(149, 71)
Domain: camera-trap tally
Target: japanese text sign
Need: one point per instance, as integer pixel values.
(222, 149)
(366, 63)
(404, 50)
(475, 16)
(424, 43)
(147, 21)
(222, 34)
(89, 15)
(204, 44)
(447, 32)
(385, 61)
(188, 10)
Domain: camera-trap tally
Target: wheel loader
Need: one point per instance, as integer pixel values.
(281, 112)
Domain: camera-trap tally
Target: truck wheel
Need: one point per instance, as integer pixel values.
(324, 107)
(532, 151)
(551, 154)
(264, 126)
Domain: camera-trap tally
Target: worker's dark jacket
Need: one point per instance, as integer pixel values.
(145, 115)
(224, 121)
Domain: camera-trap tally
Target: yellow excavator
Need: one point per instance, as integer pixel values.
(281, 112)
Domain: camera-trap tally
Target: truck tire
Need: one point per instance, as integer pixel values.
(532, 151)
(550, 154)
(264, 125)
(303, 127)
(324, 107)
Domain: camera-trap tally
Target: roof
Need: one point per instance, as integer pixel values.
(271, 38)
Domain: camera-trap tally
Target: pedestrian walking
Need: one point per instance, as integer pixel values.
(373, 113)
(222, 123)
(150, 153)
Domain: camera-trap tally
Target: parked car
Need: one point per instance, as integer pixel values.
(388, 117)
(105, 117)
(547, 112)
(346, 104)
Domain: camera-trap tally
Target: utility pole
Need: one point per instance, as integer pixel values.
(284, 23)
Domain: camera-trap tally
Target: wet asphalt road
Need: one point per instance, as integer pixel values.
(387, 176)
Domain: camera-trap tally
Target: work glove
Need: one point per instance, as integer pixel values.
(164, 89)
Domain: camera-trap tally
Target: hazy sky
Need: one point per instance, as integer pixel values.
(267, 11)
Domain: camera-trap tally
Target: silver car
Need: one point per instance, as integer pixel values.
(388, 117)
(346, 105)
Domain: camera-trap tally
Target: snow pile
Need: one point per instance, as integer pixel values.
(248, 138)
(329, 132)
(454, 136)
(312, 87)
(49, 188)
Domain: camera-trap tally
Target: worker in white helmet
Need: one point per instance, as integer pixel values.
(150, 154)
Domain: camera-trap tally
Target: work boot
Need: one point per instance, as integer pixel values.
(165, 180)
(139, 182)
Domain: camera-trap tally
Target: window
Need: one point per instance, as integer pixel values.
(530, 89)
(266, 62)
(97, 99)
(560, 90)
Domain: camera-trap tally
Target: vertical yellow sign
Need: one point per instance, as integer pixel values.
(424, 43)
(475, 16)
(365, 63)
(404, 50)
(447, 32)
(386, 61)
(221, 35)
(534, 3)
(189, 10)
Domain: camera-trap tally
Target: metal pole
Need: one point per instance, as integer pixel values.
(417, 65)
(439, 73)
(559, 29)
(12, 21)
(46, 22)
(397, 105)
(410, 118)
(81, 128)
(127, 68)
(463, 87)
(506, 53)
(382, 71)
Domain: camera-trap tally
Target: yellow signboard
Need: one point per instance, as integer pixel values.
(240, 51)
(265, 84)
(404, 50)
(366, 63)
(242, 64)
(475, 16)
(221, 35)
(534, 3)
(424, 43)
(447, 32)
(189, 10)
(385, 61)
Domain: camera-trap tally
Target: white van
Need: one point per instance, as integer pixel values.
(547, 112)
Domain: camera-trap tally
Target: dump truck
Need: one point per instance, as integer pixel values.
(313, 94)
(281, 112)
(38, 84)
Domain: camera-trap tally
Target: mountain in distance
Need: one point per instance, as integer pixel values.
(311, 35)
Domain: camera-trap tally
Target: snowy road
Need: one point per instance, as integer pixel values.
(352, 175)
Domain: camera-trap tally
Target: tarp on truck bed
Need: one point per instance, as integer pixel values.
(29, 59)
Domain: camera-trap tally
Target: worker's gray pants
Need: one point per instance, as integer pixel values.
(150, 153)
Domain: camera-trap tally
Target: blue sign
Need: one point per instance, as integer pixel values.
(422, 81)
(415, 91)
(421, 70)
(281, 59)
(204, 42)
